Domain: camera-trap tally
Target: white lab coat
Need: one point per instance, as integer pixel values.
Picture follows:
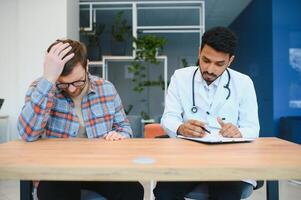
(240, 109)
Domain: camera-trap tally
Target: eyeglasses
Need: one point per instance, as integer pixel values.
(76, 84)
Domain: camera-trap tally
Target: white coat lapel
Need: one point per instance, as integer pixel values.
(200, 92)
(220, 94)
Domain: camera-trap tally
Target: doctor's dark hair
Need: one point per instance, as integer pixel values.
(221, 39)
(80, 55)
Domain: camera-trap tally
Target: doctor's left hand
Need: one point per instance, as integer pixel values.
(228, 129)
(113, 135)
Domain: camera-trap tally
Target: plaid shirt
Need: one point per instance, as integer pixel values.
(48, 110)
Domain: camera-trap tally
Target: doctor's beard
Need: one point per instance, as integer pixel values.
(209, 78)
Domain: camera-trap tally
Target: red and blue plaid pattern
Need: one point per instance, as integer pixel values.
(48, 110)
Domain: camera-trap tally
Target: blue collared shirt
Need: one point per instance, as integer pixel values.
(48, 110)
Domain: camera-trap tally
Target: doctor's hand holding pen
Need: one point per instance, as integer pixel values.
(228, 129)
(193, 128)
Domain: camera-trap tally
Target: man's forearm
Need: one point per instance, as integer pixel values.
(35, 113)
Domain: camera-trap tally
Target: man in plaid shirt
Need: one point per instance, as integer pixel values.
(69, 102)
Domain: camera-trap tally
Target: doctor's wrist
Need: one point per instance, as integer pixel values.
(179, 130)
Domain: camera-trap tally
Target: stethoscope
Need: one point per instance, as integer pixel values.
(194, 109)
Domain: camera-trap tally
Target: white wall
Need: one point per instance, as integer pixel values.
(73, 19)
(27, 29)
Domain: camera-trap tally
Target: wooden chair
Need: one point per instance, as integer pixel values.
(153, 130)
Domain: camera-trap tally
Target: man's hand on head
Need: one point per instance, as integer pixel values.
(113, 135)
(192, 128)
(228, 129)
(55, 61)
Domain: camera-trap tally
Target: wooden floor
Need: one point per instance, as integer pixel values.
(289, 190)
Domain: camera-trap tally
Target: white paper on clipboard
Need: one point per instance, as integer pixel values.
(211, 139)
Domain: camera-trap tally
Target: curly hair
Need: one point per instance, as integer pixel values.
(221, 39)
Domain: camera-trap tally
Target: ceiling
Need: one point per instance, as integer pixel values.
(217, 12)
(223, 12)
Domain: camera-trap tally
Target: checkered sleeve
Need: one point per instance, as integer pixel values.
(35, 113)
(121, 123)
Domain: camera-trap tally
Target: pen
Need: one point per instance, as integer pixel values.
(208, 113)
(206, 130)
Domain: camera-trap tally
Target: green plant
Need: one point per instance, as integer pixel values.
(147, 48)
(144, 115)
(184, 62)
(94, 35)
(128, 109)
(120, 28)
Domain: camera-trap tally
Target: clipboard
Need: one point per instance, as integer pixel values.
(217, 139)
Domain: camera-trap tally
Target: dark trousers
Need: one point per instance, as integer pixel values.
(228, 190)
(71, 190)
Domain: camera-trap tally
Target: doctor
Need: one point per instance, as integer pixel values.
(210, 98)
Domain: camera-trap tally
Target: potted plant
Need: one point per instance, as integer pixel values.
(120, 32)
(93, 37)
(147, 47)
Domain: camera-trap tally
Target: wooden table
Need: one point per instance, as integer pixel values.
(174, 160)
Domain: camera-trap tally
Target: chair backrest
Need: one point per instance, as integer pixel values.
(153, 130)
(135, 121)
